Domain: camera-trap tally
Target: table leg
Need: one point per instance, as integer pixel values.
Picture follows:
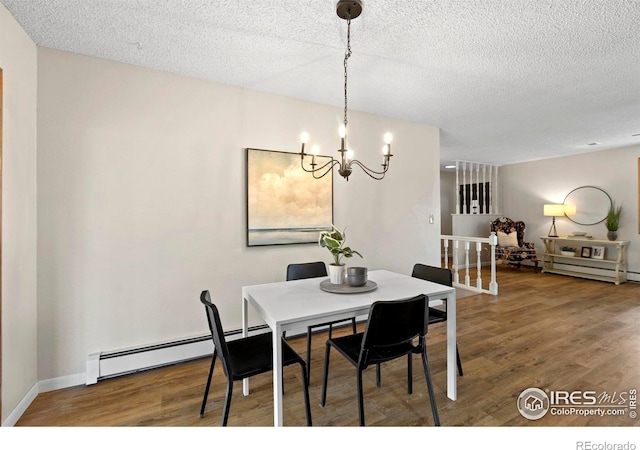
(452, 371)
(245, 333)
(277, 377)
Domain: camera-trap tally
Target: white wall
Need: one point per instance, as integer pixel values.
(18, 58)
(526, 187)
(141, 197)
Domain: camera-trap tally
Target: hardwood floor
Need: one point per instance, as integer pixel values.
(547, 331)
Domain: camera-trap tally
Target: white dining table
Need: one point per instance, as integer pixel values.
(294, 305)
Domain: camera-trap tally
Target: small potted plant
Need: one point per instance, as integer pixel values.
(334, 241)
(567, 251)
(613, 221)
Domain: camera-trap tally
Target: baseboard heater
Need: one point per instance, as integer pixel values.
(110, 364)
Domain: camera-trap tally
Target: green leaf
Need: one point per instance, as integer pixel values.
(331, 243)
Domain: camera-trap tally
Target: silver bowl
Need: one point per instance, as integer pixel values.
(356, 276)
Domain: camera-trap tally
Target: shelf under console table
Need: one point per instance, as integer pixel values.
(613, 261)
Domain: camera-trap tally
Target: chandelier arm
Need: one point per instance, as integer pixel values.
(313, 170)
(371, 173)
(329, 169)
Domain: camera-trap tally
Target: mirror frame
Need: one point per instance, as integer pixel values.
(604, 216)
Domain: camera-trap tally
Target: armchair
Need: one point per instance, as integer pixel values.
(512, 248)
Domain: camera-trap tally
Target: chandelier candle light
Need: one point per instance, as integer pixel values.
(346, 10)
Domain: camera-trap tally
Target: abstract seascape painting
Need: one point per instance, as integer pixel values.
(285, 204)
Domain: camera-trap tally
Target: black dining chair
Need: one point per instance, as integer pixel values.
(301, 271)
(438, 275)
(245, 357)
(390, 333)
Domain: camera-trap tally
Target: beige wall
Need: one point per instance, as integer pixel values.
(447, 200)
(141, 197)
(19, 352)
(526, 187)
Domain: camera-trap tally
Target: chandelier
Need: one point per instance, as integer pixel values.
(346, 10)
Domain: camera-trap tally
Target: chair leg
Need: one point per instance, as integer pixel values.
(353, 325)
(305, 387)
(458, 361)
(361, 397)
(410, 373)
(323, 399)
(378, 382)
(309, 353)
(227, 402)
(206, 389)
(432, 396)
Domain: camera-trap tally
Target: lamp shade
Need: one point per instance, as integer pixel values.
(554, 210)
(570, 210)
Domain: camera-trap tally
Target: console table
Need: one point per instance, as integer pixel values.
(615, 258)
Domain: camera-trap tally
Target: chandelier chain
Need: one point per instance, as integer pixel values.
(347, 54)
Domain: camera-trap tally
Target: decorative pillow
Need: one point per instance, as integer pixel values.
(507, 239)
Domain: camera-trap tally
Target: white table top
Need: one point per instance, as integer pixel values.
(303, 302)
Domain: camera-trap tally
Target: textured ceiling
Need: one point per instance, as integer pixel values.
(506, 80)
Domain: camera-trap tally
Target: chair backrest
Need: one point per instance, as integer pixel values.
(217, 333)
(394, 322)
(438, 275)
(508, 226)
(306, 270)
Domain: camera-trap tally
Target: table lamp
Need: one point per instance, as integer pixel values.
(553, 211)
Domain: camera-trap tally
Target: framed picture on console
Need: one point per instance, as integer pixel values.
(586, 252)
(597, 252)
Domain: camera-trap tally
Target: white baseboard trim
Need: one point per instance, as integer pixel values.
(53, 384)
(22, 406)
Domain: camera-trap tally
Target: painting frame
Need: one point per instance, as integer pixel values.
(585, 252)
(597, 252)
(284, 204)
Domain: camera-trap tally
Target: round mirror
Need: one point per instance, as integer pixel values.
(592, 205)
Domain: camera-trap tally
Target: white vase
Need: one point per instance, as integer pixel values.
(336, 273)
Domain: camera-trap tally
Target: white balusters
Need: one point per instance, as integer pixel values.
(446, 253)
(467, 277)
(493, 286)
(479, 265)
(487, 184)
(464, 188)
(457, 188)
(492, 241)
(456, 277)
(495, 190)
